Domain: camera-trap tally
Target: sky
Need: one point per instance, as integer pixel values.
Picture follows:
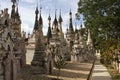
(27, 12)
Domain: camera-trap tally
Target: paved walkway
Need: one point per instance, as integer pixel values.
(100, 72)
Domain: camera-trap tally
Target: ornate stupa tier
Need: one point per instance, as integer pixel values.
(38, 59)
(39, 54)
(70, 31)
(55, 30)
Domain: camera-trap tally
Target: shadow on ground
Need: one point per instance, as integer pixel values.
(72, 71)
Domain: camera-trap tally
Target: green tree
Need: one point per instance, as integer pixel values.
(60, 63)
(103, 19)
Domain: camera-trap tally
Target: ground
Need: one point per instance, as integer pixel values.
(100, 72)
(72, 71)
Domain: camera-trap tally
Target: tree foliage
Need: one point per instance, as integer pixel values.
(60, 63)
(103, 19)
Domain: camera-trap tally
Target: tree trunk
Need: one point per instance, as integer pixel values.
(58, 74)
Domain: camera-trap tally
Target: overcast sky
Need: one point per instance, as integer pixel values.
(27, 12)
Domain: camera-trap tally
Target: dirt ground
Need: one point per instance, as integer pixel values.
(72, 71)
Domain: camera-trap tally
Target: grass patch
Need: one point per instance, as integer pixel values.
(113, 72)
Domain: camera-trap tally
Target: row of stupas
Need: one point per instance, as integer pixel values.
(47, 50)
(12, 44)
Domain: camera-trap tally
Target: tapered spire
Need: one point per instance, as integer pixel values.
(36, 11)
(60, 18)
(40, 18)
(55, 29)
(39, 54)
(13, 9)
(60, 26)
(17, 16)
(36, 18)
(49, 33)
(17, 13)
(55, 22)
(70, 13)
(49, 20)
(70, 23)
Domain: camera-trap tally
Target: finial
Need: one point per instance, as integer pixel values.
(60, 18)
(37, 8)
(17, 3)
(37, 3)
(55, 12)
(13, 1)
(70, 11)
(40, 10)
(17, 13)
(40, 6)
(55, 22)
(49, 12)
(40, 18)
(49, 18)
